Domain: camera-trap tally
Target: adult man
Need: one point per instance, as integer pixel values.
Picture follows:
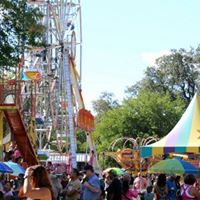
(91, 190)
(73, 188)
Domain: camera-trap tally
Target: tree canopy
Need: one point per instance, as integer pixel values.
(154, 105)
(150, 114)
(20, 28)
(105, 102)
(176, 74)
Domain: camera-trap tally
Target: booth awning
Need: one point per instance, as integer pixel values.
(184, 137)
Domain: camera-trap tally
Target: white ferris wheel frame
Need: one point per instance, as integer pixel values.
(60, 19)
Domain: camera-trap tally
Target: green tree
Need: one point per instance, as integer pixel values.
(149, 114)
(81, 140)
(20, 28)
(176, 74)
(105, 103)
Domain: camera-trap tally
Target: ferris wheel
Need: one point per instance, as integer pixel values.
(58, 90)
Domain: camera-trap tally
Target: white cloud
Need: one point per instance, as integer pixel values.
(150, 57)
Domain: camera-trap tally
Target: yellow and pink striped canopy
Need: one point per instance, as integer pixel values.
(184, 137)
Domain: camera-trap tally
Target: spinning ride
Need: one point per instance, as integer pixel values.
(126, 152)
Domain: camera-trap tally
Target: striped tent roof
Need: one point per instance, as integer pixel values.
(184, 137)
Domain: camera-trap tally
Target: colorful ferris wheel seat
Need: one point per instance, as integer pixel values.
(33, 74)
(71, 26)
(85, 120)
(39, 119)
(24, 77)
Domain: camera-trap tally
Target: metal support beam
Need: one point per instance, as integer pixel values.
(70, 106)
(8, 107)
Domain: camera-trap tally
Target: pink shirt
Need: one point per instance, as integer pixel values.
(140, 183)
(130, 194)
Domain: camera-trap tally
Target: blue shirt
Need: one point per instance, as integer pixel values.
(171, 186)
(148, 196)
(88, 194)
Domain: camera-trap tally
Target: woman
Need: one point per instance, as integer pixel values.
(37, 184)
(178, 186)
(188, 191)
(160, 189)
(127, 193)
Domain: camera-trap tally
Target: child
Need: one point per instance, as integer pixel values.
(148, 195)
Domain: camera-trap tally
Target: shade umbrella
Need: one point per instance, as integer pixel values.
(116, 170)
(5, 169)
(174, 166)
(17, 169)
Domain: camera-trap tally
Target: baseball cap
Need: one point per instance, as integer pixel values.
(88, 167)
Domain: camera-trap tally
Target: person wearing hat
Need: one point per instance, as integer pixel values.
(91, 190)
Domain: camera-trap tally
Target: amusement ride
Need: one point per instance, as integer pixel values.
(126, 152)
(43, 103)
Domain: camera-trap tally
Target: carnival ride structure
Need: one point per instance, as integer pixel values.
(43, 104)
(126, 152)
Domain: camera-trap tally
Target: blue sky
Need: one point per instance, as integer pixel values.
(121, 38)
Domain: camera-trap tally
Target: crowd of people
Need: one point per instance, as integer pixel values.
(38, 184)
